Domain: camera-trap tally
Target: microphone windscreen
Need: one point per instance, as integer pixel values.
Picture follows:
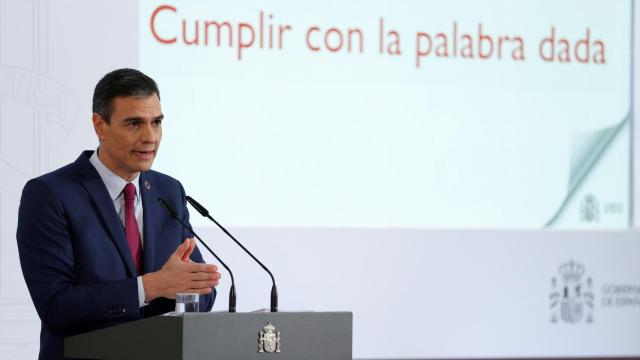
(168, 208)
(196, 205)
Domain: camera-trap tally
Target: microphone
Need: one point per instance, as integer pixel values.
(174, 215)
(204, 212)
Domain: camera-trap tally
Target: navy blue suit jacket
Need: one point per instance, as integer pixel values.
(74, 254)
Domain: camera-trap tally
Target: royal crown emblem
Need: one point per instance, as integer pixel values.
(269, 339)
(572, 298)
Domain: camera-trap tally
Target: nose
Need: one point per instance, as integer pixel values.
(148, 133)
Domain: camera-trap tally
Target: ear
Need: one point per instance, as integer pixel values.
(99, 125)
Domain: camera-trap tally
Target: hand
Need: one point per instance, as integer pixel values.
(179, 274)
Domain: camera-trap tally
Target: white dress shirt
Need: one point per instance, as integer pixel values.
(115, 186)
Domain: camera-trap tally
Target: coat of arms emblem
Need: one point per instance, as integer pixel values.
(572, 298)
(590, 209)
(269, 339)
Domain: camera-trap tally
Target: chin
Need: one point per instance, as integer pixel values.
(142, 167)
(145, 168)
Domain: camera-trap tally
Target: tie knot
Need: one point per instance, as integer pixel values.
(129, 192)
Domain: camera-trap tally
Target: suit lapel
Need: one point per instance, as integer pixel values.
(149, 214)
(97, 190)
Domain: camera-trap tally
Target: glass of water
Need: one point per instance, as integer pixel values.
(186, 302)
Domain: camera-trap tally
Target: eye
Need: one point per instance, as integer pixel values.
(157, 122)
(134, 123)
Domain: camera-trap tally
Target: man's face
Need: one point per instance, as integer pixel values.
(130, 141)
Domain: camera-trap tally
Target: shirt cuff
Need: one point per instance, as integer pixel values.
(141, 296)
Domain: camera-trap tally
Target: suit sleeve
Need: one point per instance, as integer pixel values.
(206, 301)
(46, 253)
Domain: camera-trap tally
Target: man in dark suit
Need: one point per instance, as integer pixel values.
(96, 249)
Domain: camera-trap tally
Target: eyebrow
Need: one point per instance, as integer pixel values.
(132, 119)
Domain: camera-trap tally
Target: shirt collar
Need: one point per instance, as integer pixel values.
(114, 183)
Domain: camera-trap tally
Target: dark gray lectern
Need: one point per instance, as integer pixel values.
(218, 336)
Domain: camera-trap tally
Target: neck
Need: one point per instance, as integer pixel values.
(109, 165)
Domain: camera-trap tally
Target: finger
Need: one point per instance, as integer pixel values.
(181, 249)
(191, 244)
(203, 284)
(198, 267)
(201, 291)
(199, 276)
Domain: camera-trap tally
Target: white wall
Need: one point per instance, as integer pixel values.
(51, 53)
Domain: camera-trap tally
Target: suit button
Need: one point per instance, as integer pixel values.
(124, 310)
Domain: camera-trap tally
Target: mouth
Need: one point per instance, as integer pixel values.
(144, 155)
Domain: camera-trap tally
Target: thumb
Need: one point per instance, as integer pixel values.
(182, 249)
(189, 250)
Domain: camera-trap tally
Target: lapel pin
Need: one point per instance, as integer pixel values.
(147, 185)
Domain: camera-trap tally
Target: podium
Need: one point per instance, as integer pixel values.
(221, 336)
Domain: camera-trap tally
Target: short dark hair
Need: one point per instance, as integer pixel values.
(121, 82)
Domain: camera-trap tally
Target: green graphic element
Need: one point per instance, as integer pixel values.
(586, 151)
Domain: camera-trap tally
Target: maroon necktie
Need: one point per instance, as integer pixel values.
(131, 225)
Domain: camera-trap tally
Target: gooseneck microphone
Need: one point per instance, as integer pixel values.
(174, 215)
(204, 212)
